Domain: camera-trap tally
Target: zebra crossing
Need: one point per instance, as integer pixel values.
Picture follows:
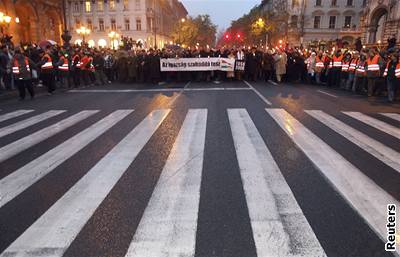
(169, 222)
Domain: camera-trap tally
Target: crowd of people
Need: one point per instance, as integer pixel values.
(366, 71)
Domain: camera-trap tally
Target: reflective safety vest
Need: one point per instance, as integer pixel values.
(360, 68)
(79, 63)
(345, 66)
(373, 65)
(353, 64)
(15, 67)
(336, 62)
(49, 64)
(396, 71)
(319, 64)
(64, 66)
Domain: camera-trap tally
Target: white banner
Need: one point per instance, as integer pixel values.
(197, 64)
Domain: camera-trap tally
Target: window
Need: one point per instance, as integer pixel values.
(127, 24)
(138, 24)
(332, 22)
(101, 24)
(334, 2)
(100, 5)
(89, 24)
(349, 2)
(318, 2)
(137, 5)
(112, 5)
(77, 23)
(347, 21)
(113, 24)
(126, 5)
(364, 4)
(295, 3)
(76, 7)
(317, 22)
(88, 6)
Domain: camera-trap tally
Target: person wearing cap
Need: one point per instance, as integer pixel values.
(392, 74)
(21, 69)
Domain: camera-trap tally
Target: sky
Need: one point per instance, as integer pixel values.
(222, 12)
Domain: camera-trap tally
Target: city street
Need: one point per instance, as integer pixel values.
(230, 169)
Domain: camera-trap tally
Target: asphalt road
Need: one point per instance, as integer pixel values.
(234, 169)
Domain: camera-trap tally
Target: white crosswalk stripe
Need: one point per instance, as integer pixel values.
(385, 154)
(24, 143)
(380, 125)
(18, 181)
(28, 122)
(168, 226)
(366, 197)
(15, 114)
(394, 116)
(55, 230)
(279, 226)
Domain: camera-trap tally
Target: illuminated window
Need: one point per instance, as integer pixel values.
(102, 43)
(112, 5)
(100, 5)
(91, 43)
(88, 6)
(126, 5)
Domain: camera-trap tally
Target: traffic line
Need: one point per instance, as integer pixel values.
(55, 230)
(24, 143)
(367, 198)
(258, 93)
(380, 125)
(15, 114)
(326, 93)
(161, 90)
(218, 89)
(18, 181)
(278, 229)
(394, 116)
(28, 122)
(169, 224)
(383, 153)
(272, 82)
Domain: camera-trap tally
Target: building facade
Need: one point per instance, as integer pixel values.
(32, 20)
(311, 21)
(380, 21)
(145, 21)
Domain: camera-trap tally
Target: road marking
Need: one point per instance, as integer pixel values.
(28, 122)
(380, 125)
(258, 93)
(278, 229)
(383, 153)
(272, 82)
(366, 197)
(24, 143)
(394, 116)
(326, 93)
(161, 90)
(169, 224)
(11, 115)
(21, 179)
(178, 95)
(55, 230)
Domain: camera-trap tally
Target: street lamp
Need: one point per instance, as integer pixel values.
(83, 31)
(4, 19)
(113, 35)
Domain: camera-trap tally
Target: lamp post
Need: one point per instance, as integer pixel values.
(182, 21)
(66, 36)
(261, 23)
(113, 35)
(83, 31)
